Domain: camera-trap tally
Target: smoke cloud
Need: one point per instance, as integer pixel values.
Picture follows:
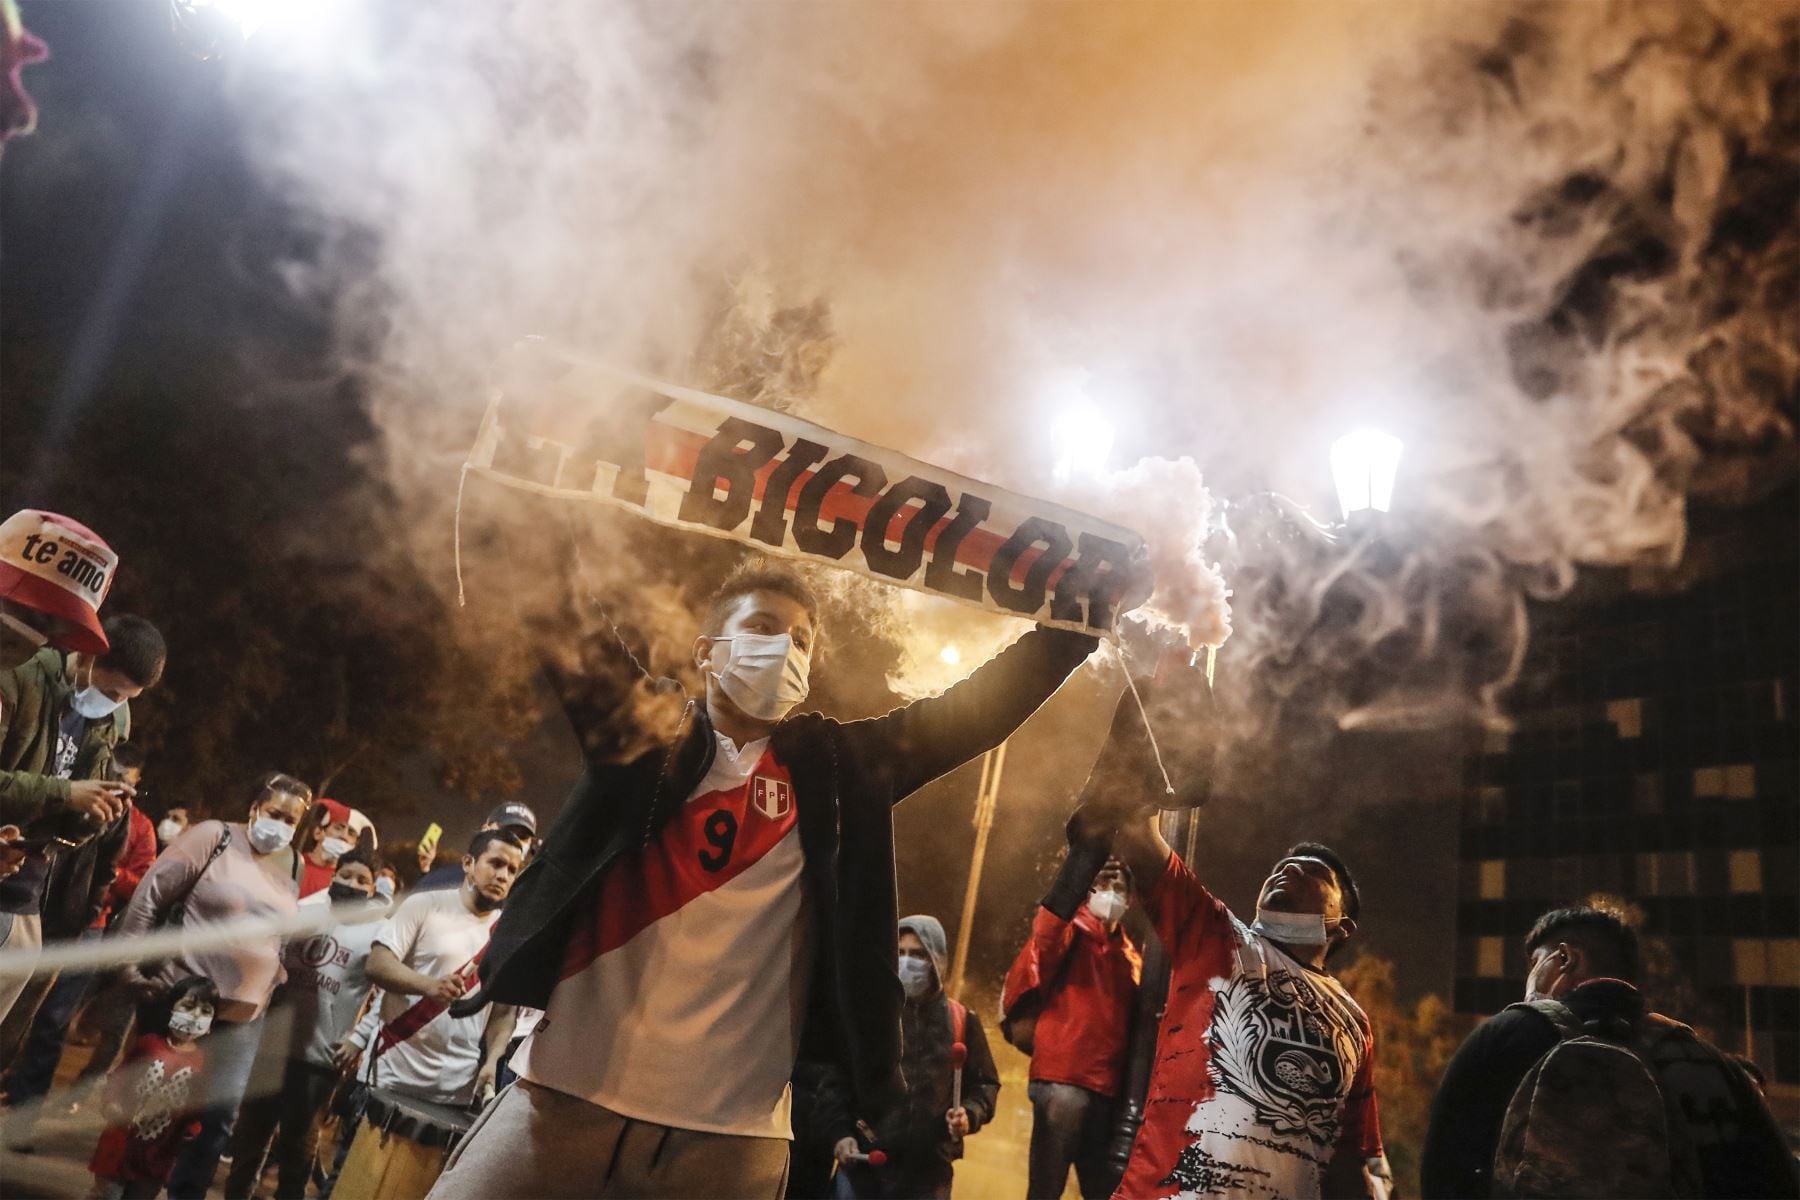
(1550, 247)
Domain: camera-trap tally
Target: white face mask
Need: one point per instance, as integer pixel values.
(267, 835)
(189, 1025)
(168, 830)
(915, 976)
(93, 703)
(335, 848)
(763, 674)
(1108, 905)
(1296, 929)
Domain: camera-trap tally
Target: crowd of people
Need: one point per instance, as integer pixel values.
(696, 982)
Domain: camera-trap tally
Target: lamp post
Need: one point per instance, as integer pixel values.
(986, 796)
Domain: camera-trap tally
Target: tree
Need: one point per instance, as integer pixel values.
(1412, 1047)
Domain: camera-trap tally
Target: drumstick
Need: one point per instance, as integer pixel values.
(959, 1054)
(875, 1158)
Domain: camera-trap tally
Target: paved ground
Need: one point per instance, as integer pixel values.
(56, 1169)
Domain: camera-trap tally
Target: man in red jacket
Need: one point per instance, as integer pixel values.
(1069, 999)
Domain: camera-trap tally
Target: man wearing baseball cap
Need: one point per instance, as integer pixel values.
(515, 820)
(54, 573)
(60, 717)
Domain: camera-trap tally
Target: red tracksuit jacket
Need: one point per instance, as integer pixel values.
(1086, 981)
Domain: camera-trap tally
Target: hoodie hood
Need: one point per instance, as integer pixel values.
(930, 930)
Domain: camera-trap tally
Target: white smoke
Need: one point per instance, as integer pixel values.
(1250, 228)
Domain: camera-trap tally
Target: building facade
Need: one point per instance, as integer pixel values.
(1656, 758)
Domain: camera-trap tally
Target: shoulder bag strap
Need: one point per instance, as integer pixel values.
(171, 914)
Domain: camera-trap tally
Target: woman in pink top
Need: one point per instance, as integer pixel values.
(214, 873)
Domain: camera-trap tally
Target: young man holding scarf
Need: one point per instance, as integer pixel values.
(1264, 1082)
(707, 911)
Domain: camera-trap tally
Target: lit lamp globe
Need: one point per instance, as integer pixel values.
(1363, 466)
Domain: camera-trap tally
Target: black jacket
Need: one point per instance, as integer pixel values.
(1479, 1082)
(847, 776)
(916, 1135)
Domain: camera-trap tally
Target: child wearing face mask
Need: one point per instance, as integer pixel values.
(152, 1103)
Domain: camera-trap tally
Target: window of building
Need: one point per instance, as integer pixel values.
(1779, 699)
(1493, 879)
(1678, 872)
(1749, 961)
(1490, 957)
(1492, 802)
(1627, 717)
(1670, 873)
(1740, 782)
(1746, 871)
(1709, 781)
(1784, 962)
(1646, 793)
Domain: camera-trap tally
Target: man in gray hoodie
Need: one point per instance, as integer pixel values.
(924, 1136)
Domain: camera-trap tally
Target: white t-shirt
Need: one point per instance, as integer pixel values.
(327, 982)
(435, 934)
(683, 992)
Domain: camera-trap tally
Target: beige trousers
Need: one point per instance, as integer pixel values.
(538, 1143)
(26, 941)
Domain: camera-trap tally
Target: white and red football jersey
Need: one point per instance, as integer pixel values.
(683, 991)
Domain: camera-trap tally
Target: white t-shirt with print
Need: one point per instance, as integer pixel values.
(434, 934)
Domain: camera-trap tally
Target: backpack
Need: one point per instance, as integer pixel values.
(959, 1020)
(1591, 1119)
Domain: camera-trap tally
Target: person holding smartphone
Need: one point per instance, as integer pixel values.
(61, 714)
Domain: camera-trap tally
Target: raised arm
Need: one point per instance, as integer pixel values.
(930, 737)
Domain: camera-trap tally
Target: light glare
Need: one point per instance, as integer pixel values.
(1363, 465)
(1084, 438)
(950, 655)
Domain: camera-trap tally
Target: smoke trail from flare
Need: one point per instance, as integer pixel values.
(1550, 246)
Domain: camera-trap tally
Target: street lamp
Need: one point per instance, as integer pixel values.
(1084, 438)
(1363, 465)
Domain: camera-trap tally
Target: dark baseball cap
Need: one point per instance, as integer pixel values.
(513, 814)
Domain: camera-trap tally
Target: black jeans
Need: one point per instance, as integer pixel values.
(1070, 1126)
(305, 1088)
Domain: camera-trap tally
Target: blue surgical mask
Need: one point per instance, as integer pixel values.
(915, 976)
(93, 703)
